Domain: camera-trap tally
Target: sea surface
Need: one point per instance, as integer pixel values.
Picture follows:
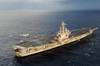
(15, 22)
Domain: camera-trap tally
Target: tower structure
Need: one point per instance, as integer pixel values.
(63, 32)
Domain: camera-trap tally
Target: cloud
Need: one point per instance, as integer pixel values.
(36, 1)
(10, 0)
(50, 4)
(32, 1)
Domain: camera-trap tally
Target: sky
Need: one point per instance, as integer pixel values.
(49, 4)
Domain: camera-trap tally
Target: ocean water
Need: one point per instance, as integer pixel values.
(83, 53)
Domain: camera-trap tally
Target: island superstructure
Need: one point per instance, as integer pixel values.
(46, 42)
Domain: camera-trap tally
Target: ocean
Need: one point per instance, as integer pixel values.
(13, 23)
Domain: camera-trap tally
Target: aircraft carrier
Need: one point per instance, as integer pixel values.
(46, 42)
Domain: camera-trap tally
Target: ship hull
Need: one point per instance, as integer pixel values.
(25, 51)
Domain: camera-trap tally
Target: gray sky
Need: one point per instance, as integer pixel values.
(49, 4)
